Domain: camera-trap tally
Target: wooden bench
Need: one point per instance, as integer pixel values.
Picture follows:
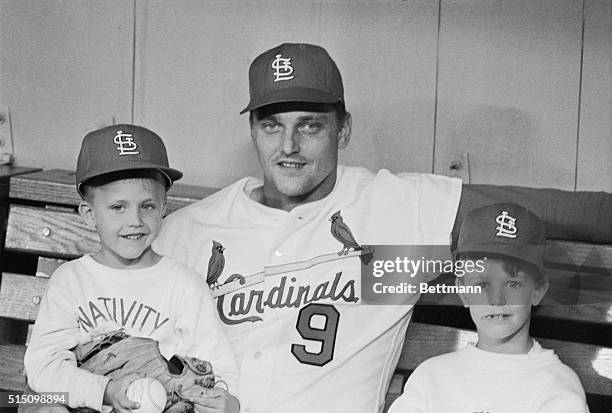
(575, 319)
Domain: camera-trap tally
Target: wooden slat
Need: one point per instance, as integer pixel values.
(6, 171)
(595, 313)
(11, 366)
(20, 296)
(181, 195)
(47, 266)
(57, 186)
(49, 232)
(12, 170)
(579, 289)
(580, 283)
(396, 387)
(579, 255)
(593, 364)
(29, 335)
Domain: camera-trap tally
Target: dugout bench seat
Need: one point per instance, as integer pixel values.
(43, 230)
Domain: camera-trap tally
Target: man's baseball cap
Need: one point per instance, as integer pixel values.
(294, 72)
(506, 229)
(121, 148)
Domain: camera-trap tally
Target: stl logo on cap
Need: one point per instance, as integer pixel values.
(507, 225)
(283, 68)
(125, 144)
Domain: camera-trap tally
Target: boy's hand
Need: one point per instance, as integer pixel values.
(216, 400)
(115, 393)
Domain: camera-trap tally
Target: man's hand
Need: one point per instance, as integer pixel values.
(216, 400)
(115, 393)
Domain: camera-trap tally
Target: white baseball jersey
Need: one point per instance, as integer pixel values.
(303, 340)
(473, 380)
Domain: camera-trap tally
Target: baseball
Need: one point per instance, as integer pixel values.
(150, 393)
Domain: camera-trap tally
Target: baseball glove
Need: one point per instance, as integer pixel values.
(117, 354)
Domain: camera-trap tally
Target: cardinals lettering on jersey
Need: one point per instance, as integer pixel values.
(290, 288)
(291, 292)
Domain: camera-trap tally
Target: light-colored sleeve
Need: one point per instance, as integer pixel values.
(440, 196)
(414, 397)
(50, 365)
(435, 199)
(202, 334)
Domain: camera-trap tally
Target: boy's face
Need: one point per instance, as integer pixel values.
(127, 214)
(502, 310)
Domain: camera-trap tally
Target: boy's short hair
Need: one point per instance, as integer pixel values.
(506, 231)
(512, 266)
(100, 180)
(122, 148)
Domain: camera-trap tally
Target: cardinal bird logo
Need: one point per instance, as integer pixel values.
(343, 234)
(215, 264)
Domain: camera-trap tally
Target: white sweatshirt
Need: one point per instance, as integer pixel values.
(471, 380)
(84, 299)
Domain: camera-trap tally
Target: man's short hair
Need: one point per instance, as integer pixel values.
(338, 108)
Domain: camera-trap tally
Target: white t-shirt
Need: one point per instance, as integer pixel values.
(303, 340)
(472, 380)
(84, 299)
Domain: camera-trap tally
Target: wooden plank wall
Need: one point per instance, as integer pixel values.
(594, 168)
(508, 88)
(385, 50)
(65, 69)
(523, 87)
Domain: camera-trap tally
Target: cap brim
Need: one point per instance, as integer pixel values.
(530, 253)
(170, 173)
(292, 94)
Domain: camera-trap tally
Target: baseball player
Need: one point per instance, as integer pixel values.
(284, 255)
(123, 175)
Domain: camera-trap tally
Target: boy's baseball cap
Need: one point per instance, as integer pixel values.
(506, 229)
(120, 148)
(294, 72)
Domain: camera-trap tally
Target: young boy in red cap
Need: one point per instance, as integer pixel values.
(123, 175)
(506, 371)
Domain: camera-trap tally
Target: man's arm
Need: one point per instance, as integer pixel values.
(578, 216)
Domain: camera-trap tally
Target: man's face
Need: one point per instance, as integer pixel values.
(298, 152)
